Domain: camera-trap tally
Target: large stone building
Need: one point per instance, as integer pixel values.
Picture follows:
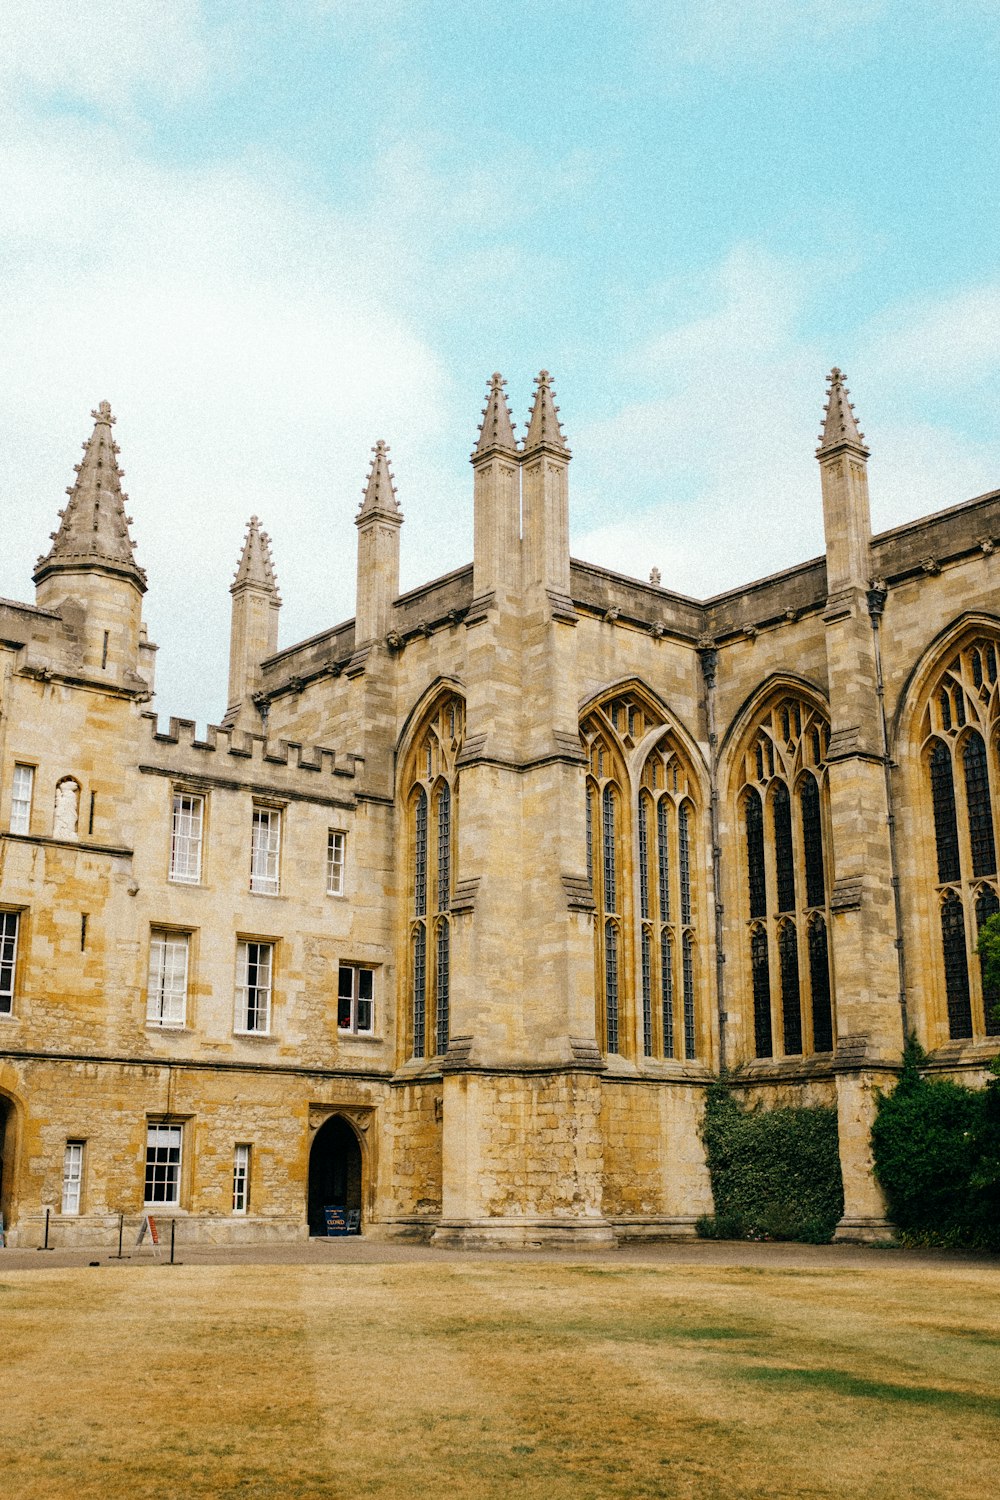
(455, 914)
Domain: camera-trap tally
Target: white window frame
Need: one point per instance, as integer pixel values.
(254, 986)
(166, 993)
(164, 1157)
(72, 1188)
(352, 982)
(241, 1178)
(10, 925)
(265, 850)
(21, 794)
(336, 861)
(187, 827)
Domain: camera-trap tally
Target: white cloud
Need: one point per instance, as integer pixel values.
(712, 475)
(101, 51)
(252, 356)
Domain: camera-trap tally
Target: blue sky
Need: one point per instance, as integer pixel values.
(272, 233)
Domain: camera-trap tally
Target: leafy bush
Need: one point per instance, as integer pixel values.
(937, 1155)
(775, 1173)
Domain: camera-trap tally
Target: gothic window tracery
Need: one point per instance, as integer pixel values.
(431, 799)
(960, 749)
(644, 874)
(782, 799)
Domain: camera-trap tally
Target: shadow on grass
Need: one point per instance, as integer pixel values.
(844, 1384)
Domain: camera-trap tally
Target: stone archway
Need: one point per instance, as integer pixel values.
(335, 1171)
(8, 1126)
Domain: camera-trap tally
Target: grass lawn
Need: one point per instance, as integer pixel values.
(500, 1378)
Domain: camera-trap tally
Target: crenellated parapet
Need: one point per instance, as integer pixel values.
(281, 767)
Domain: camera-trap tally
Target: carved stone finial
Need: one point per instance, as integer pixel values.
(93, 529)
(380, 489)
(255, 568)
(544, 430)
(840, 428)
(496, 431)
(654, 577)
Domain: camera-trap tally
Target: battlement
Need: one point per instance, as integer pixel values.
(282, 766)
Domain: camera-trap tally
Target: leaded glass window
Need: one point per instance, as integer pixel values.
(431, 791)
(611, 984)
(819, 983)
(663, 858)
(956, 967)
(784, 767)
(760, 969)
(667, 991)
(754, 816)
(977, 800)
(444, 848)
(643, 862)
(647, 995)
(690, 1049)
(812, 842)
(443, 984)
(684, 860)
(610, 852)
(791, 1009)
(781, 812)
(962, 760)
(945, 820)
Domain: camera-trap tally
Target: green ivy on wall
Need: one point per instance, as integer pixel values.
(775, 1172)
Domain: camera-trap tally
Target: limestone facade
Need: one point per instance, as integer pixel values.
(453, 917)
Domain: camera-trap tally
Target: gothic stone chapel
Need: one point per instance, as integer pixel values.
(453, 917)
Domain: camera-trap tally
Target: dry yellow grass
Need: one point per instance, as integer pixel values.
(489, 1379)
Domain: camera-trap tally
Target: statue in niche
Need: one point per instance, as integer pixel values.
(67, 810)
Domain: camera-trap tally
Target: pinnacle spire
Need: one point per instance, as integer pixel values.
(496, 429)
(544, 430)
(93, 528)
(840, 427)
(380, 489)
(255, 568)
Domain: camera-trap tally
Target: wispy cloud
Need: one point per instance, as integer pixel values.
(714, 478)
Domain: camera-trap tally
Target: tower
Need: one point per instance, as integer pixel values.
(90, 575)
(869, 1031)
(378, 522)
(254, 628)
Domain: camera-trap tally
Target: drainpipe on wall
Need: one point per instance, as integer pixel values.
(709, 658)
(877, 595)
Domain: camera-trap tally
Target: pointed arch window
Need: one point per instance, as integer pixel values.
(819, 984)
(645, 875)
(431, 795)
(783, 773)
(959, 735)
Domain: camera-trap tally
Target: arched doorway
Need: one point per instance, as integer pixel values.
(334, 1171)
(8, 1122)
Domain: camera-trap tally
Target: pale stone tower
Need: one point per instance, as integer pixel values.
(90, 575)
(254, 629)
(869, 1017)
(523, 1048)
(378, 522)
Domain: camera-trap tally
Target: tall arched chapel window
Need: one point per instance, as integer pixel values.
(782, 801)
(430, 793)
(646, 876)
(959, 745)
